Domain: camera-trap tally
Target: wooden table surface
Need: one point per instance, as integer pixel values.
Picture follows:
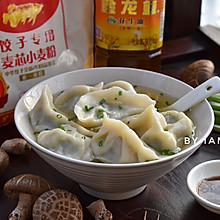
(167, 196)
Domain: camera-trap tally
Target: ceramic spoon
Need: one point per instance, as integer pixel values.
(197, 95)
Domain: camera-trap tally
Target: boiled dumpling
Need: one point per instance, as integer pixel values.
(157, 136)
(115, 102)
(66, 141)
(120, 83)
(178, 124)
(142, 122)
(66, 100)
(44, 115)
(166, 130)
(115, 142)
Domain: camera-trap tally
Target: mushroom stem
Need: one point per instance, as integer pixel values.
(99, 211)
(24, 207)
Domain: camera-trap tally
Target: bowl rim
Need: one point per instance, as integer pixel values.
(88, 163)
(199, 198)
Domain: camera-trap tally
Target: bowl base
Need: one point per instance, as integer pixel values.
(112, 196)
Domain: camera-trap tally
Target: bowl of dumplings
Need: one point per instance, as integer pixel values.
(104, 128)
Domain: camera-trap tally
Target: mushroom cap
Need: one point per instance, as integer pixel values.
(17, 146)
(198, 72)
(4, 160)
(27, 184)
(57, 204)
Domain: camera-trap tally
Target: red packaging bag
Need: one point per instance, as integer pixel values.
(40, 39)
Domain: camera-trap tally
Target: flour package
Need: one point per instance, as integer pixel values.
(40, 39)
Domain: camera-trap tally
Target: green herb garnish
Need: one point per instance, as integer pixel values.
(120, 93)
(100, 143)
(88, 108)
(99, 116)
(102, 101)
(61, 127)
(36, 132)
(167, 152)
(59, 116)
(167, 103)
(120, 107)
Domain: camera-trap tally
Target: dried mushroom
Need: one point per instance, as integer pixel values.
(198, 72)
(99, 211)
(57, 204)
(26, 188)
(17, 146)
(4, 160)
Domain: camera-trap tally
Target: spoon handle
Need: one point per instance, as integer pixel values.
(203, 91)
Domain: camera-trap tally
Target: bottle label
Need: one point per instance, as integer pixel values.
(129, 24)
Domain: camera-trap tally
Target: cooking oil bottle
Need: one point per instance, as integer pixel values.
(129, 33)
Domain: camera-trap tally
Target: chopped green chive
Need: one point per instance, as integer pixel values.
(120, 93)
(100, 143)
(59, 116)
(88, 108)
(116, 98)
(54, 109)
(100, 116)
(102, 101)
(70, 119)
(101, 110)
(167, 103)
(61, 127)
(120, 107)
(167, 152)
(36, 132)
(83, 137)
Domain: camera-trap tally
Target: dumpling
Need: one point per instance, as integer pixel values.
(66, 100)
(157, 136)
(120, 83)
(115, 102)
(66, 141)
(115, 142)
(44, 115)
(142, 122)
(166, 130)
(178, 124)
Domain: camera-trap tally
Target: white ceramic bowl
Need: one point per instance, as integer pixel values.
(113, 181)
(204, 170)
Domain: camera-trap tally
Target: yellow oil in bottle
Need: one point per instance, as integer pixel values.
(129, 33)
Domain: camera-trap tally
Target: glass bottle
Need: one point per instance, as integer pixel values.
(129, 33)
